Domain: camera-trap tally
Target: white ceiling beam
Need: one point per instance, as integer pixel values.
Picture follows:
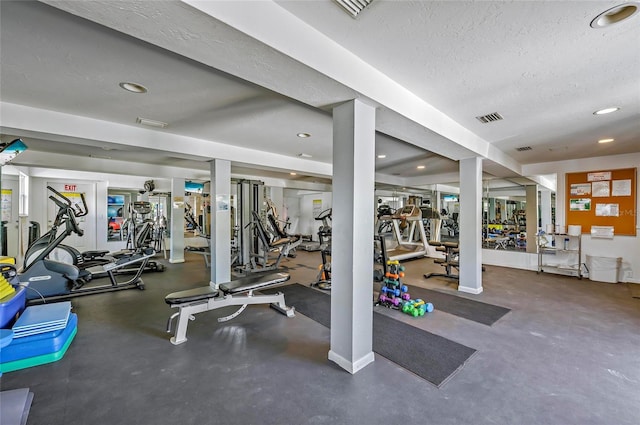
(431, 179)
(324, 72)
(18, 119)
(98, 167)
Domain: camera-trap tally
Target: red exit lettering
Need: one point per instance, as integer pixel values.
(70, 187)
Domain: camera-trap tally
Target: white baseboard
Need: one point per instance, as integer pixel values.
(351, 367)
(469, 290)
(176, 261)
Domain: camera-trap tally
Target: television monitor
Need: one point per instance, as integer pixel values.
(10, 150)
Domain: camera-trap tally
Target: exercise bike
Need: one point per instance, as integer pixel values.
(47, 279)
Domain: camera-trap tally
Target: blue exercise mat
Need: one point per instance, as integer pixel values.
(46, 318)
(38, 345)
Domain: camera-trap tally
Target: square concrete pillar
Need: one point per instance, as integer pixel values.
(470, 226)
(352, 236)
(220, 217)
(176, 253)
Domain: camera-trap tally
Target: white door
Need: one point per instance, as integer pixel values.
(87, 223)
(10, 210)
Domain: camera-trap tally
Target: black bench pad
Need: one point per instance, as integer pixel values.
(196, 294)
(255, 281)
(244, 284)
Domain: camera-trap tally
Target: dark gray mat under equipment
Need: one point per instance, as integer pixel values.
(480, 312)
(429, 356)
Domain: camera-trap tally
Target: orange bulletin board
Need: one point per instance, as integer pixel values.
(603, 198)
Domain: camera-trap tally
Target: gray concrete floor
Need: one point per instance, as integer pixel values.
(567, 353)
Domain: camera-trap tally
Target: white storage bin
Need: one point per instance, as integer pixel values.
(604, 269)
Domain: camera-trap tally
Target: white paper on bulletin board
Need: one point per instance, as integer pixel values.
(600, 189)
(607, 210)
(621, 188)
(602, 175)
(580, 189)
(602, 232)
(581, 204)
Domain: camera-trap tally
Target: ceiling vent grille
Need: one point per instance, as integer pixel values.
(523, 148)
(353, 7)
(485, 119)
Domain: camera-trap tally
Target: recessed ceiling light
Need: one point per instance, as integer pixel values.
(304, 155)
(605, 140)
(382, 156)
(293, 174)
(606, 111)
(420, 167)
(615, 15)
(303, 135)
(133, 87)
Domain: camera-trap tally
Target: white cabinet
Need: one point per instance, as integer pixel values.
(560, 253)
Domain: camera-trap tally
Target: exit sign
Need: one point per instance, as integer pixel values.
(70, 187)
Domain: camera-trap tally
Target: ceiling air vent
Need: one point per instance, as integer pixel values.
(485, 119)
(353, 7)
(523, 148)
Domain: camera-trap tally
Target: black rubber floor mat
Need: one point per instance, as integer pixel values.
(429, 356)
(480, 312)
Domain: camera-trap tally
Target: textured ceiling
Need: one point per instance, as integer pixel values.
(539, 64)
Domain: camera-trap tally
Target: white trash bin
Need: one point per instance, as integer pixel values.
(604, 269)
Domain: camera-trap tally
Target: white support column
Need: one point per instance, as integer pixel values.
(470, 225)
(492, 209)
(177, 221)
(532, 217)
(220, 221)
(352, 235)
(545, 208)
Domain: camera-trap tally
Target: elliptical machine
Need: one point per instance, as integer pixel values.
(49, 242)
(323, 281)
(91, 264)
(47, 279)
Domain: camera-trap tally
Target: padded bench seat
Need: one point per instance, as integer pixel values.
(207, 298)
(252, 282)
(244, 284)
(190, 295)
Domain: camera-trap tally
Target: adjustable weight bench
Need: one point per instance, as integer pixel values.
(198, 300)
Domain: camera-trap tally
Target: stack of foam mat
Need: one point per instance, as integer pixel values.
(15, 406)
(42, 334)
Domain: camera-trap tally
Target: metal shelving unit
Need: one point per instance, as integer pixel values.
(566, 251)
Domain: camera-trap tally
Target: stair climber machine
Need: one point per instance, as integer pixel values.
(47, 279)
